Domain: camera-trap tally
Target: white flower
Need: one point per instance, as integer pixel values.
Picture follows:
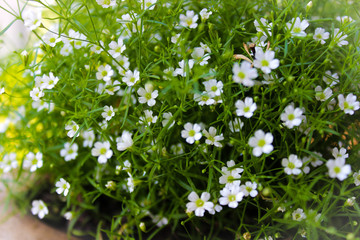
(33, 161)
(292, 165)
(212, 138)
(49, 82)
(338, 169)
(104, 73)
(313, 160)
(332, 80)
(122, 64)
(291, 116)
(184, 68)
(112, 87)
(348, 104)
(230, 176)
(106, 3)
(130, 183)
(102, 151)
(321, 35)
(265, 60)
(261, 143)
(269, 79)
(204, 99)
(339, 153)
(125, 141)
(199, 204)
(68, 216)
(62, 187)
(177, 149)
(116, 48)
(323, 95)
(175, 38)
(297, 27)
(344, 19)
(191, 132)
(148, 94)
(73, 128)
(2, 90)
(148, 3)
(244, 74)
(213, 87)
(111, 185)
(245, 108)
(166, 118)
(39, 208)
(32, 19)
(249, 189)
(305, 166)
(199, 56)
(236, 125)
(36, 94)
(97, 48)
(69, 152)
(131, 78)
(298, 214)
(263, 27)
(108, 113)
(41, 105)
(66, 49)
(356, 177)
(51, 39)
(205, 14)
(189, 20)
(148, 118)
(231, 196)
(89, 137)
(8, 162)
(350, 202)
(340, 37)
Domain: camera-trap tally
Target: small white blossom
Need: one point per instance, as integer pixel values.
(182, 71)
(104, 73)
(148, 118)
(356, 177)
(297, 27)
(350, 202)
(205, 14)
(177, 149)
(116, 48)
(236, 125)
(340, 37)
(263, 27)
(125, 141)
(39, 208)
(230, 176)
(189, 20)
(191, 132)
(166, 118)
(148, 95)
(231, 196)
(321, 35)
(212, 138)
(131, 78)
(344, 19)
(265, 61)
(49, 82)
(51, 39)
(331, 79)
(348, 104)
(261, 143)
(338, 169)
(249, 188)
(108, 113)
(204, 99)
(36, 94)
(97, 48)
(69, 152)
(8, 162)
(245, 108)
(72, 128)
(199, 56)
(213, 87)
(89, 137)
(148, 3)
(102, 151)
(291, 116)
(199, 204)
(32, 19)
(244, 74)
(340, 153)
(298, 214)
(33, 161)
(68, 216)
(106, 3)
(292, 165)
(130, 183)
(323, 95)
(313, 160)
(63, 187)
(111, 185)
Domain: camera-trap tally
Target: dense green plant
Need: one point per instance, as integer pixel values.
(188, 119)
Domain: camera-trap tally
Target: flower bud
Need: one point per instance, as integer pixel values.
(142, 226)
